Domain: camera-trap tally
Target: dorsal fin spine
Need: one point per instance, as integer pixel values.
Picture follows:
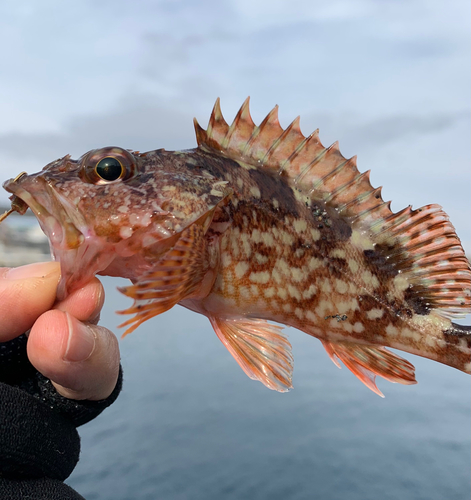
(309, 167)
(388, 224)
(291, 129)
(244, 128)
(216, 116)
(270, 151)
(227, 138)
(370, 210)
(269, 123)
(343, 188)
(253, 137)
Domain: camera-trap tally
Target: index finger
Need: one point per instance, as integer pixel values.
(25, 293)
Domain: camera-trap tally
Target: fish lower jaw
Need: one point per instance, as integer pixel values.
(80, 264)
(61, 234)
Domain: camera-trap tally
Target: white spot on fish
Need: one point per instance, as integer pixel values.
(338, 253)
(286, 238)
(244, 238)
(255, 191)
(392, 331)
(241, 268)
(261, 259)
(300, 225)
(276, 276)
(256, 236)
(361, 240)
(261, 277)
(297, 274)
(347, 326)
(369, 279)
(358, 327)
(145, 220)
(125, 232)
(283, 267)
(299, 313)
(282, 293)
(353, 265)
(316, 234)
(341, 286)
(311, 316)
(268, 239)
(314, 263)
(311, 291)
(325, 285)
(294, 292)
(400, 283)
(375, 314)
(226, 259)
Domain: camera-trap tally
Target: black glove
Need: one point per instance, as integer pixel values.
(39, 442)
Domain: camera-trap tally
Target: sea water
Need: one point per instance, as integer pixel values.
(189, 424)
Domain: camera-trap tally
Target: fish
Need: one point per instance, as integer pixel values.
(258, 228)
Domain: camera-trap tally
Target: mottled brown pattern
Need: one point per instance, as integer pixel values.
(260, 223)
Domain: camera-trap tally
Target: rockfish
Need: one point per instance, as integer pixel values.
(261, 224)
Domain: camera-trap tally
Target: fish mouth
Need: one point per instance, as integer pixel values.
(71, 240)
(54, 220)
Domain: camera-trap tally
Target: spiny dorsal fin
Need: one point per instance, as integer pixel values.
(322, 173)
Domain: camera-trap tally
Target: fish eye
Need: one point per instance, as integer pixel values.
(109, 169)
(110, 164)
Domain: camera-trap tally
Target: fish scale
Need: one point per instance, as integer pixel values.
(261, 224)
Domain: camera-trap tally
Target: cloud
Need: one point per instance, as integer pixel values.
(135, 123)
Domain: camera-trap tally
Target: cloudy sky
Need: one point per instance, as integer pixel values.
(389, 79)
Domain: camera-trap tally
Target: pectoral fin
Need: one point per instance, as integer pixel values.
(175, 276)
(260, 348)
(367, 361)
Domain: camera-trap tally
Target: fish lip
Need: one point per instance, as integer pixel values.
(54, 216)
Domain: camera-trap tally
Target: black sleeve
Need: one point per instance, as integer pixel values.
(39, 443)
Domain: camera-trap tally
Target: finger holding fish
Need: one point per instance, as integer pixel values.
(64, 342)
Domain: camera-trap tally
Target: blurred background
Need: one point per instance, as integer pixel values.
(390, 81)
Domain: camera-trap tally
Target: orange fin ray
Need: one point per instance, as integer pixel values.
(366, 362)
(317, 171)
(260, 348)
(428, 253)
(176, 276)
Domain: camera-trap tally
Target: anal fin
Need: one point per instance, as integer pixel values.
(366, 362)
(260, 348)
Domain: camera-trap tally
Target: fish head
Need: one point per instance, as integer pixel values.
(104, 213)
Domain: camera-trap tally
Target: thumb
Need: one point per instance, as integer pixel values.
(25, 293)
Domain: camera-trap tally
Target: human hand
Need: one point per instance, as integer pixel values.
(65, 344)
